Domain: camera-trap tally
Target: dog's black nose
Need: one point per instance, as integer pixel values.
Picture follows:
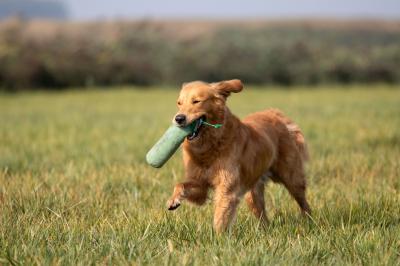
(180, 119)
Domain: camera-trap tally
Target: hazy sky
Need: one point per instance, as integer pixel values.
(93, 9)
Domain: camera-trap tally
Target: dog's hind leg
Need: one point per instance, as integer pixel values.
(255, 200)
(297, 188)
(299, 194)
(289, 171)
(193, 191)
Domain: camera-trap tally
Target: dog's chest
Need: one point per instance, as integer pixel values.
(205, 174)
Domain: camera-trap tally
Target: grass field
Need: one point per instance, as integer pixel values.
(75, 188)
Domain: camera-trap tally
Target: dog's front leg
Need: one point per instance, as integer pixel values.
(225, 209)
(194, 191)
(227, 197)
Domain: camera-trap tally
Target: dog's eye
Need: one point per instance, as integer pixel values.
(195, 101)
(179, 103)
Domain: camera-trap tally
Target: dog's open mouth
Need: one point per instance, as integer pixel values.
(197, 127)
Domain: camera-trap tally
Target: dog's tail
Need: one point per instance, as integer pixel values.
(295, 131)
(297, 135)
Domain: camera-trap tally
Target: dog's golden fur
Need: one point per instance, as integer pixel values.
(236, 159)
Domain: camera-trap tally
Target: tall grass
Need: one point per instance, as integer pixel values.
(75, 188)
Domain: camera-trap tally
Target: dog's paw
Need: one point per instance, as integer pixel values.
(173, 204)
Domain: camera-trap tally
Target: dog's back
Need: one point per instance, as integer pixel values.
(272, 121)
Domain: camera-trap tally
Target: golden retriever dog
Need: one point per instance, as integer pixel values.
(236, 159)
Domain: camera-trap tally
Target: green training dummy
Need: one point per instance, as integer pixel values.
(171, 140)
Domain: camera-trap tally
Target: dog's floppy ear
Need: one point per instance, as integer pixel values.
(225, 87)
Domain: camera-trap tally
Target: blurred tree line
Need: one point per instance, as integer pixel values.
(57, 55)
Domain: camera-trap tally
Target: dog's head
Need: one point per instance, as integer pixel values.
(199, 99)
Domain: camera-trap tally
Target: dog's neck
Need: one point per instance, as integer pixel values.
(212, 142)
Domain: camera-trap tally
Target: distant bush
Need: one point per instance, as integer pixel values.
(59, 55)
